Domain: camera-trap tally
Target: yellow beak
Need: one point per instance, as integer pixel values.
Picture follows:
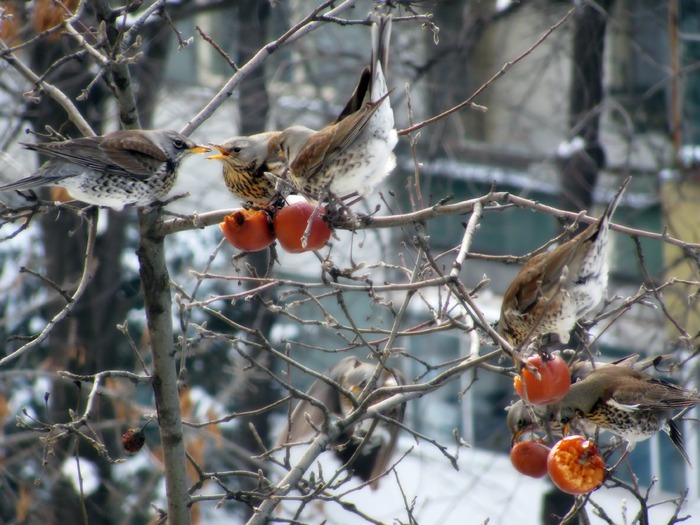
(222, 153)
(200, 149)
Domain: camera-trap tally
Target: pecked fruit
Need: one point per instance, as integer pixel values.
(575, 466)
(248, 230)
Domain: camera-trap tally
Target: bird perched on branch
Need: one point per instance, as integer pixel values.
(354, 153)
(127, 167)
(627, 402)
(369, 444)
(618, 397)
(523, 417)
(248, 163)
(557, 288)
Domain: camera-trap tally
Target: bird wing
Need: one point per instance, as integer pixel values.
(387, 449)
(133, 154)
(542, 273)
(298, 426)
(643, 391)
(324, 146)
(139, 158)
(524, 292)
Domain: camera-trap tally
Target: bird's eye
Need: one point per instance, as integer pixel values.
(236, 149)
(179, 143)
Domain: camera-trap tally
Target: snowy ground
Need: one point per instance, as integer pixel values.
(486, 489)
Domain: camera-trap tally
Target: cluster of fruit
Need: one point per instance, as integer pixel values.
(299, 227)
(573, 463)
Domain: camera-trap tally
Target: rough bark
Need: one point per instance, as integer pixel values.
(155, 282)
(579, 172)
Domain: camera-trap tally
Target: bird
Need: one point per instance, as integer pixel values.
(118, 169)
(355, 152)
(522, 417)
(371, 442)
(248, 163)
(630, 403)
(555, 289)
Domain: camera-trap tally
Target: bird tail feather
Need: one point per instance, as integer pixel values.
(616, 199)
(677, 438)
(381, 36)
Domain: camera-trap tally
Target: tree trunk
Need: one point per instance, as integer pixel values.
(579, 172)
(88, 341)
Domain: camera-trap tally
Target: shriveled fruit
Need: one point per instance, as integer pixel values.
(133, 440)
(551, 386)
(530, 457)
(248, 230)
(575, 466)
(291, 223)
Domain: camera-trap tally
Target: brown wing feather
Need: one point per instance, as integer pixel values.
(324, 145)
(134, 153)
(387, 450)
(628, 386)
(325, 394)
(101, 154)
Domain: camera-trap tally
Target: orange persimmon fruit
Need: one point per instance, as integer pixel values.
(575, 466)
(529, 457)
(551, 386)
(291, 222)
(248, 230)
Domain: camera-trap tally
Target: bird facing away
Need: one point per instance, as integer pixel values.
(372, 441)
(555, 289)
(354, 153)
(247, 163)
(121, 168)
(627, 402)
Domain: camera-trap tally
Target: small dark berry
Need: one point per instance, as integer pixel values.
(133, 440)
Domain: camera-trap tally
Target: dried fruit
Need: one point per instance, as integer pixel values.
(248, 230)
(575, 466)
(133, 440)
(551, 386)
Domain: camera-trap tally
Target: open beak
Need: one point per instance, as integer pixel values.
(565, 429)
(200, 149)
(222, 153)
(516, 437)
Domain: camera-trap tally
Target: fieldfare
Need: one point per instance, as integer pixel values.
(127, 167)
(627, 402)
(523, 417)
(354, 153)
(370, 443)
(557, 288)
(251, 165)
